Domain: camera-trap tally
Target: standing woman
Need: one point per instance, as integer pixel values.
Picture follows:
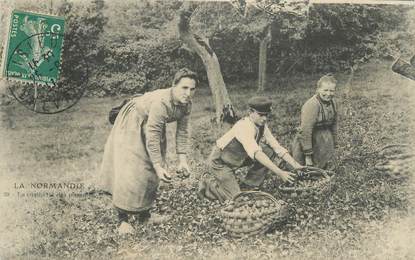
(135, 152)
(315, 142)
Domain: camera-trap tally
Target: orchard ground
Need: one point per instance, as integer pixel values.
(367, 215)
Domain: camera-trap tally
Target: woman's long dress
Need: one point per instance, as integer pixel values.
(317, 133)
(137, 142)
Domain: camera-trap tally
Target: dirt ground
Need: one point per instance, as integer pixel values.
(368, 215)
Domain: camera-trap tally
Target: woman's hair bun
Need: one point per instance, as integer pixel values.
(185, 73)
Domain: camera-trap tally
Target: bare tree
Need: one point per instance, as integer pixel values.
(223, 104)
(275, 11)
(263, 50)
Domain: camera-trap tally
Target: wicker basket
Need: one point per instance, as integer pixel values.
(253, 213)
(396, 160)
(397, 152)
(310, 181)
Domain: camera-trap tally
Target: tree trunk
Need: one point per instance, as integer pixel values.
(210, 60)
(348, 84)
(263, 50)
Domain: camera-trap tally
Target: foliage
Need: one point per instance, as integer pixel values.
(328, 38)
(342, 36)
(132, 46)
(145, 53)
(82, 58)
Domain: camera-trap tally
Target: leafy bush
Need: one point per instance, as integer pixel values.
(138, 49)
(82, 57)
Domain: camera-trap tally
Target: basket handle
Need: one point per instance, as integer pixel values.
(390, 146)
(256, 193)
(311, 169)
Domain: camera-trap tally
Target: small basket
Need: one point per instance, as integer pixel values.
(310, 180)
(397, 152)
(252, 213)
(396, 160)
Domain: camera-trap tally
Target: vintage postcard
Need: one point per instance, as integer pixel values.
(240, 129)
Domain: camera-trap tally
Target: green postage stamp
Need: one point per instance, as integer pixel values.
(33, 48)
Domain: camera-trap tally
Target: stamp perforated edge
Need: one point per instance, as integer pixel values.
(8, 13)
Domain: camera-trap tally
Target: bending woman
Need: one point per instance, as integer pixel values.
(315, 142)
(134, 156)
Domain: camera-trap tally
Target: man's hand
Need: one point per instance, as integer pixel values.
(261, 157)
(298, 166)
(287, 176)
(291, 161)
(163, 174)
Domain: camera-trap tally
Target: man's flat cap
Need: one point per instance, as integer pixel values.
(260, 104)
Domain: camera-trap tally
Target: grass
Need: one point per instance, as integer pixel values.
(376, 109)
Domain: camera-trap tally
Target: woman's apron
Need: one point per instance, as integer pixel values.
(127, 171)
(322, 141)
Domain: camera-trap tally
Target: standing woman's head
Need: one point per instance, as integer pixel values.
(184, 85)
(326, 87)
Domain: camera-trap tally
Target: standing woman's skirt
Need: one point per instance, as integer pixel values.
(126, 170)
(323, 147)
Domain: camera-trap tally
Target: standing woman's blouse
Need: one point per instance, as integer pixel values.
(159, 108)
(317, 113)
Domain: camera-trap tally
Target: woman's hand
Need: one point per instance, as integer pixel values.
(309, 160)
(162, 173)
(287, 176)
(183, 166)
(183, 169)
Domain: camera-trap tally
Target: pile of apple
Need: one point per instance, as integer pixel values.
(309, 179)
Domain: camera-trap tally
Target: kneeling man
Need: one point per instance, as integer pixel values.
(240, 147)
